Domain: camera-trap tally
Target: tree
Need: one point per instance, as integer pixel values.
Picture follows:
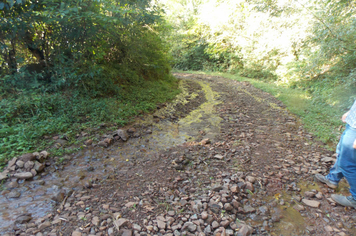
(90, 45)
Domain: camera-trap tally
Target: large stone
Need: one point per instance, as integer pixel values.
(131, 130)
(264, 210)
(328, 228)
(39, 166)
(59, 196)
(190, 227)
(309, 194)
(103, 144)
(122, 222)
(245, 230)
(136, 227)
(23, 175)
(44, 225)
(131, 204)
(311, 203)
(250, 187)
(207, 230)
(161, 224)
(77, 233)
(319, 195)
(22, 219)
(205, 141)
(299, 207)
(235, 188)
(217, 188)
(12, 184)
(236, 204)
(14, 194)
(251, 179)
(123, 135)
(4, 175)
(108, 140)
(37, 155)
(125, 232)
(249, 209)
(88, 142)
(215, 224)
(95, 220)
(20, 164)
(225, 223)
(44, 154)
(29, 165)
(27, 157)
(328, 159)
(12, 162)
(161, 218)
(33, 172)
(228, 207)
(204, 215)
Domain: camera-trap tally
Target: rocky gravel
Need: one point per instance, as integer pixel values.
(253, 178)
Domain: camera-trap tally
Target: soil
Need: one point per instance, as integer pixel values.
(251, 174)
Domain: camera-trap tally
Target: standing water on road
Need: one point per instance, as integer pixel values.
(37, 198)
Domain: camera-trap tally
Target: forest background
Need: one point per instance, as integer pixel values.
(69, 66)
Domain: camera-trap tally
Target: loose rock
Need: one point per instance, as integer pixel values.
(24, 175)
(123, 135)
(311, 203)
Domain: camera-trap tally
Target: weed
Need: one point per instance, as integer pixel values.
(60, 160)
(2, 185)
(223, 213)
(249, 192)
(27, 118)
(319, 112)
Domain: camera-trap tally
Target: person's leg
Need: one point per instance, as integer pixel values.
(347, 163)
(335, 173)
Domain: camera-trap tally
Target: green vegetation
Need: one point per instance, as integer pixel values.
(321, 119)
(303, 52)
(67, 66)
(29, 118)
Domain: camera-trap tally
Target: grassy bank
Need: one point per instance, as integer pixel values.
(319, 114)
(29, 120)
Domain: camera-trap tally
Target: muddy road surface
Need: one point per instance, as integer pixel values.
(224, 158)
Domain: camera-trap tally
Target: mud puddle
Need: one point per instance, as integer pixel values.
(95, 164)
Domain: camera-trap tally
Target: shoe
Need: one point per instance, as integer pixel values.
(344, 201)
(324, 180)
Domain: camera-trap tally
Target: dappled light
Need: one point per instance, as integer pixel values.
(176, 117)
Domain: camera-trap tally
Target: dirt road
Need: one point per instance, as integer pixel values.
(224, 159)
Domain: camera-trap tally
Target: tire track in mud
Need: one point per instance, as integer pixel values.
(246, 170)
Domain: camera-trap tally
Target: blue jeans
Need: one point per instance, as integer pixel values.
(345, 165)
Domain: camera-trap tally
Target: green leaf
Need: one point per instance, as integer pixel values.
(2, 5)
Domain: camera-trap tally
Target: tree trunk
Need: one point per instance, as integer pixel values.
(12, 58)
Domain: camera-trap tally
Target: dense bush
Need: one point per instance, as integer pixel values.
(86, 45)
(304, 44)
(69, 65)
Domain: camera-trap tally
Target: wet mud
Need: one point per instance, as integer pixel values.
(215, 130)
